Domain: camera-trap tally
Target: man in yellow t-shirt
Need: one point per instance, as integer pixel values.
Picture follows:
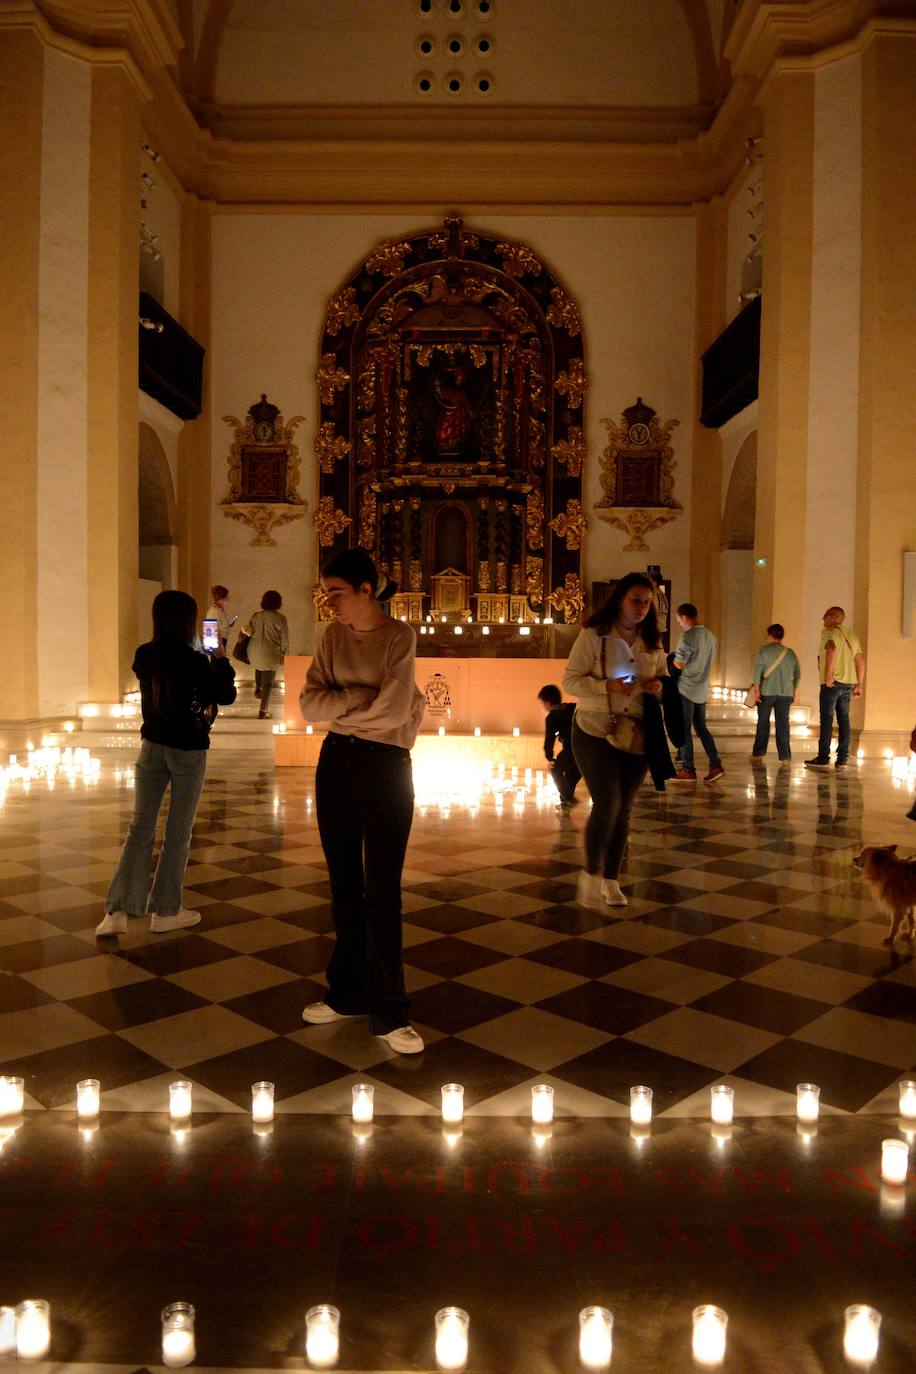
(842, 669)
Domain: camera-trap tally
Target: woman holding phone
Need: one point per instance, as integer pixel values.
(179, 690)
(616, 662)
(362, 682)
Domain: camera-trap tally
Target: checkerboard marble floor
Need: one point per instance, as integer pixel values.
(750, 953)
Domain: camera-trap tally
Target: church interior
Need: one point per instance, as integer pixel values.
(518, 296)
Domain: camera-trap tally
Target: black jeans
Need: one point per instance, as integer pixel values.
(364, 803)
(264, 681)
(695, 719)
(780, 706)
(566, 774)
(613, 778)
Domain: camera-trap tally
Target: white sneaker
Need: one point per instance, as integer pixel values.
(588, 891)
(405, 1040)
(179, 920)
(112, 923)
(610, 891)
(319, 1014)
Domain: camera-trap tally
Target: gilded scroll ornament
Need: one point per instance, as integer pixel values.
(571, 451)
(367, 514)
(637, 523)
(321, 603)
(331, 378)
(517, 260)
(534, 513)
(366, 385)
(329, 522)
(263, 520)
(534, 579)
(637, 471)
(453, 240)
(536, 441)
(388, 258)
(330, 448)
(572, 383)
(571, 524)
(342, 310)
(564, 313)
(366, 450)
(483, 575)
(257, 436)
(416, 575)
(568, 600)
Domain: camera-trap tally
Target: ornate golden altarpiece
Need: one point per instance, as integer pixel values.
(450, 439)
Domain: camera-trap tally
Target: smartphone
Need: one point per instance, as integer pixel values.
(210, 640)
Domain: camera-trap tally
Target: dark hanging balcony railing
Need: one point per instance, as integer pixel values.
(731, 368)
(171, 361)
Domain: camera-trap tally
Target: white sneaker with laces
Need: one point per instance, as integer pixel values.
(319, 1014)
(588, 891)
(179, 920)
(610, 891)
(405, 1040)
(112, 923)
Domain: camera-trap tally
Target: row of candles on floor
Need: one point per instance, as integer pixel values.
(25, 1331)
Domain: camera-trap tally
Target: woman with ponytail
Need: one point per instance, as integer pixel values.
(361, 681)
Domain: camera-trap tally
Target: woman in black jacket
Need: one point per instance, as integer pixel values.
(179, 690)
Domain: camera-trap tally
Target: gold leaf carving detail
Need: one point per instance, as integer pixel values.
(564, 313)
(330, 448)
(573, 383)
(342, 310)
(568, 600)
(388, 258)
(571, 524)
(263, 520)
(535, 518)
(367, 509)
(331, 378)
(571, 451)
(366, 450)
(321, 603)
(517, 260)
(637, 523)
(534, 579)
(329, 522)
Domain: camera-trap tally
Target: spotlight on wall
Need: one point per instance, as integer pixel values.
(150, 151)
(745, 296)
(753, 142)
(155, 326)
(148, 181)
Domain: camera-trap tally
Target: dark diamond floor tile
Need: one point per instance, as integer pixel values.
(567, 919)
(17, 994)
(136, 1004)
(29, 882)
(270, 844)
(805, 922)
(587, 958)
(289, 1066)
(447, 889)
(448, 918)
(278, 1009)
(666, 894)
(546, 890)
(845, 1081)
(717, 957)
(225, 889)
(172, 955)
(608, 1008)
(482, 1073)
(45, 953)
(871, 963)
(893, 1000)
(75, 918)
(760, 891)
(779, 1012)
(256, 863)
(612, 1069)
(541, 868)
(304, 957)
(448, 957)
(51, 1076)
(737, 868)
(452, 1007)
(312, 918)
(687, 922)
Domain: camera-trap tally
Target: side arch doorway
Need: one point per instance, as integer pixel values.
(158, 526)
(736, 554)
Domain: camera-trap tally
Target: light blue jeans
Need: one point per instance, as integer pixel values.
(158, 767)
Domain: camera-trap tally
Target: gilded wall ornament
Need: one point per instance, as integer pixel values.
(367, 515)
(637, 474)
(534, 512)
(453, 241)
(564, 313)
(330, 448)
(571, 451)
(568, 600)
(331, 378)
(321, 603)
(517, 260)
(534, 580)
(571, 524)
(572, 383)
(329, 521)
(263, 461)
(637, 523)
(366, 450)
(342, 310)
(388, 258)
(263, 520)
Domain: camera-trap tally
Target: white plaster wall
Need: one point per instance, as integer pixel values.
(633, 278)
(739, 638)
(833, 407)
(63, 611)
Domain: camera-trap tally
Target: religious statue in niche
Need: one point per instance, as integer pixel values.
(455, 420)
(637, 474)
(263, 471)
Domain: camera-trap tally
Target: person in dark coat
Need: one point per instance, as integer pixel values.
(558, 727)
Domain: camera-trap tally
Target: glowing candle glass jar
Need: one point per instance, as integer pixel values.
(452, 1103)
(895, 1157)
(860, 1335)
(180, 1100)
(12, 1095)
(33, 1329)
(641, 1105)
(322, 1336)
(721, 1104)
(596, 1327)
(807, 1101)
(452, 1338)
(542, 1104)
(363, 1105)
(87, 1097)
(262, 1102)
(7, 1330)
(477, 732)
(178, 1348)
(709, 1325)
(908, 1099)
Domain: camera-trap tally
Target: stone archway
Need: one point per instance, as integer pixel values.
(736, 553)
(158, 526)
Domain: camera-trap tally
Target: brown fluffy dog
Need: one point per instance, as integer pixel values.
(893, 882)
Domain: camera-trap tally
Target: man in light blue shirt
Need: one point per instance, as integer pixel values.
(694, 658)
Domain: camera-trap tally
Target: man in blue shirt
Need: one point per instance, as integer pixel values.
(694, 657)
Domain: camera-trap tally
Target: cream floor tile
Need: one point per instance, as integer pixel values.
(198, 873)
(751, 1099)
(905, 975)
(499, 878)
(887, 1103)
(312, 855)
(336, 1098)
(228, 978)
(698, 877)
(809, 980)
(726, 904)
(416, 935)
(868, 1037)
(53, 899)
(43, 1028)
(82, 874)
(492, 857)
(18, 929)
(770, 939)
(414, 901)
(663, 978)
(869, 934)
(511, 937)
(636, 937)
(569, 1102)
(278, 902)
(152, 1095)
(251, 936)
(350, 1042)
(195, 1035)
(417, 978)
(294, 875)
(521, 979)
(11, 869)
(504, 903)
(704, 1039)
(85, 976)
(534, 1037)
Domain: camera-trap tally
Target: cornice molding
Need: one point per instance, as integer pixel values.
(146, 28)
(26, 14)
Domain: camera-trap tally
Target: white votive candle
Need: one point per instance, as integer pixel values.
(895, 1158)
(721, 1104)
(262, 1102)
(310, 729)
(542, 1104)
(641, 1105)
(12, 1095)
(452, 1103)
(807, 1101)
(908, 1098)
(33, 1329)
(363, 1104)
(178, 1347)
(477, 732)
(452, 1338)
(860, 1336)
(596, 1325)
(709, 1325)
(7, 1330)
(180, 1099)
(88, 1097)
(322, 1336)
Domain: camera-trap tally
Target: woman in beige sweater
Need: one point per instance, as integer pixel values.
(361, 681)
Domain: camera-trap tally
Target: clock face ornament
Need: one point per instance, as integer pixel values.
(264, 431)
(638, 433)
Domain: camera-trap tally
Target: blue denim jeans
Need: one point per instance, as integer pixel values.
(835, 701)
(158, 768)
(780, 708)
(695, 719)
